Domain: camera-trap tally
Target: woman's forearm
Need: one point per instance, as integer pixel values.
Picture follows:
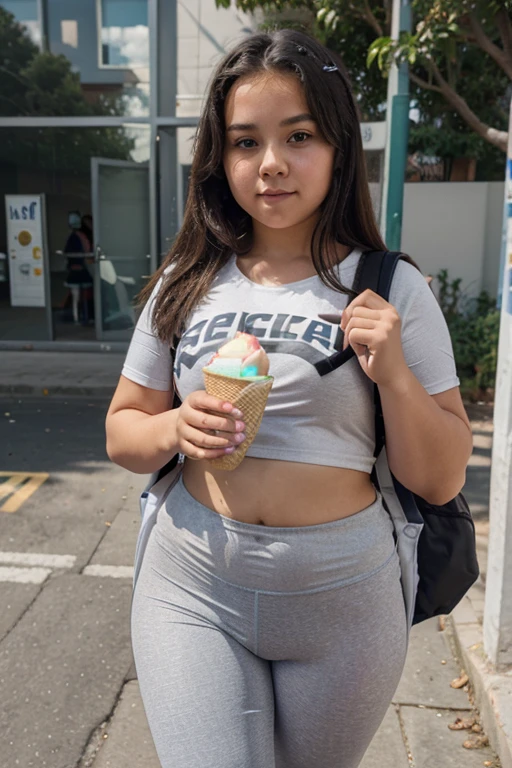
(140, 442)
(427, 447)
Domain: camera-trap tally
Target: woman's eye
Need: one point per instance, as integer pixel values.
(245, 143)
(300, 137)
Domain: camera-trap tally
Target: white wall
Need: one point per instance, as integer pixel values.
(456, 226)
(205, 34)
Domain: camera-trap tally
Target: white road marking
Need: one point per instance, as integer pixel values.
(40, 566)
(114, 571)
(24, 575)
(34, 558)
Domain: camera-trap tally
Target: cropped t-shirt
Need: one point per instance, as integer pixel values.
(326, 420)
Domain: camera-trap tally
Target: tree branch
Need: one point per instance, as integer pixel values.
(371, 19)
(486, 44)
(492, 135)
(424, 83)
(22, 113)
(387, 10)
(502, 21)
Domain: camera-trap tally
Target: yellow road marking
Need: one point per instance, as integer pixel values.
(15, 490)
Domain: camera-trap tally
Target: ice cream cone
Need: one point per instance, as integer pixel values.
(250, 396)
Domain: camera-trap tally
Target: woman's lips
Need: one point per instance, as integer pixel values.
(274, 198)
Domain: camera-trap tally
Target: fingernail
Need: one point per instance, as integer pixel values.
(229, 450)
(237, 414)
(239, 438)
(239, 426)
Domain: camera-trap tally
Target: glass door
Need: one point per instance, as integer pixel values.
(120, 200)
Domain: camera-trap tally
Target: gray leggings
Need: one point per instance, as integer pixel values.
(267, 647)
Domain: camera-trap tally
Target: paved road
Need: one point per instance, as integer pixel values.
(65, 658)
(64, 632)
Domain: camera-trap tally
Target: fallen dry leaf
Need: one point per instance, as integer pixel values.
(462, 725)
(442, 623)
(461, 681)
(476, 742)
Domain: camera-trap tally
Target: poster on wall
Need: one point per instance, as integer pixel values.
(26, 252)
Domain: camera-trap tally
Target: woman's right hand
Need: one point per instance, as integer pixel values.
(207, 427)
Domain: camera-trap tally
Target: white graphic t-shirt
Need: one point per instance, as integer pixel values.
(310, 418)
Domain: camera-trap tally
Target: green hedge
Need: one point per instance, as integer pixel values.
(474, 329)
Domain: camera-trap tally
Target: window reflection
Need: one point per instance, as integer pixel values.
(59, 164)
(97, 62)
(26, 13)
(124, 33)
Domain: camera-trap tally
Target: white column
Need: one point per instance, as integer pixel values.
(498, 590)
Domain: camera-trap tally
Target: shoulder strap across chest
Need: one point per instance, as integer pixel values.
(375, 272)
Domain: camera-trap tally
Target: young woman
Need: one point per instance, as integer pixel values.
(268, 619)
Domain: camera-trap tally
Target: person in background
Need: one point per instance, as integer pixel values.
(78, 278)
(86, 229)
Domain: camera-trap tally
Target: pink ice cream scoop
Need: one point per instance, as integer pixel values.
(242, 357)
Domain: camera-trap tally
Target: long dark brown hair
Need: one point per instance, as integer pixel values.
(215, 226)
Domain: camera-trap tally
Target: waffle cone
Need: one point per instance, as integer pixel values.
(247, 395)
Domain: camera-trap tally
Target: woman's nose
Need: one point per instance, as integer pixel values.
(272, 162)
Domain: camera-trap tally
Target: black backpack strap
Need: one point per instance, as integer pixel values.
(375, 272)
(368, 276)
(388, 262)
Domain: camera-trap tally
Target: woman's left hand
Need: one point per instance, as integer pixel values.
(372, 327)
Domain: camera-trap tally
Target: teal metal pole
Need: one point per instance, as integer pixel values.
(398, 137)
(399, 127)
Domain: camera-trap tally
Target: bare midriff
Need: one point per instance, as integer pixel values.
(279, 493)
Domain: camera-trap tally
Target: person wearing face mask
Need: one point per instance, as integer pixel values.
(78, 278)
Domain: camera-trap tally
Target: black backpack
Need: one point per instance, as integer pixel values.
(446, 552)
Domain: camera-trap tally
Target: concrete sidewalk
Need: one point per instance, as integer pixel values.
(93, 374)
(415, 728)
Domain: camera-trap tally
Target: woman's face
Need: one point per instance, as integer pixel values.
(278, 165)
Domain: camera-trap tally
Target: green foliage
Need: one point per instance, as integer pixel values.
(340, 26)
(443, 43)
(35, 83)
(474, 329)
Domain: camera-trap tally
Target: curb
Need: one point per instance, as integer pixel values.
(492, 690)
(64, 346)
(54, 391)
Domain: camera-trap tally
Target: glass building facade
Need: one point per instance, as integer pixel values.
(99, 101)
